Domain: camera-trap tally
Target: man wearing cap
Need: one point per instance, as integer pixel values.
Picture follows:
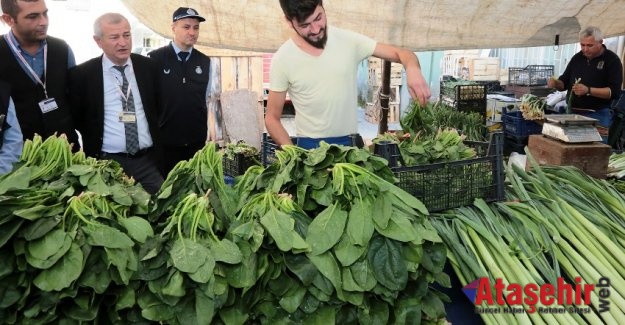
(184, 89)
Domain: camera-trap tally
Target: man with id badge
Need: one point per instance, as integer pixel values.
(115, 100)
(36, 66)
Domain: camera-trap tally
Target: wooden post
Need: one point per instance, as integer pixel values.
(385, 95)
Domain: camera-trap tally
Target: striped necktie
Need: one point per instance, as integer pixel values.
(132, 136)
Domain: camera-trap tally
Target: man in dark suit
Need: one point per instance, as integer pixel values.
(115, 104)
(35, 65)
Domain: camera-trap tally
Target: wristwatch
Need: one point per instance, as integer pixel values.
(588, 93)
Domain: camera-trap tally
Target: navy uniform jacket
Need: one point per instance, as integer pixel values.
(183, 118)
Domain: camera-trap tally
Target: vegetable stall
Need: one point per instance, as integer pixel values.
(329, 235)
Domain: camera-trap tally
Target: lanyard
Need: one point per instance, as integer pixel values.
(126, 96)
(30, 69)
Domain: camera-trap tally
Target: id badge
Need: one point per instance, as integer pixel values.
(127, 117)
(48, 105)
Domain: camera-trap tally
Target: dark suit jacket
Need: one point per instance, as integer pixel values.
(86, 93)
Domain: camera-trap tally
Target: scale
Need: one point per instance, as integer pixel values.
(571, 128)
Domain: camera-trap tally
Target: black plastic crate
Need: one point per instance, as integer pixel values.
(239, 164)
(465, 98)
(472, 106)
(449, 185)
(515, 125)
(468, 92)
(514, 144)
(492, 86)
(531, 75)
(268, 149)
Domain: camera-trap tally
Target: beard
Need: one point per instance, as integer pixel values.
(319, 43)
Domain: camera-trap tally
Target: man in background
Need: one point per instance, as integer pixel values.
(184, 89)
(115, 103)
(593, 76)
(36, 66)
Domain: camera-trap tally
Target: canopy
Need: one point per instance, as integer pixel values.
(259, 25)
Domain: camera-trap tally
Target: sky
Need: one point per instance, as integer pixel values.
(72, 20)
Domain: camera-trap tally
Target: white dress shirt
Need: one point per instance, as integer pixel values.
(114, 138)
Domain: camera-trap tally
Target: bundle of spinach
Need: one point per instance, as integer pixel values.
(67, 238)
(203, 172)
(240, 148)
(430, 118)
(183, 267)
(371, 253)
(443, 146)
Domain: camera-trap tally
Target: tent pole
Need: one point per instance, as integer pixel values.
(385, 96)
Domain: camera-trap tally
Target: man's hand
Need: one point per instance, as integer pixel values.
(417, 86)
(275, 105)
(555, 83)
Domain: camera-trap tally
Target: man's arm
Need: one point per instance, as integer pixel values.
(275, 105)
(417, 86)
(13, 142)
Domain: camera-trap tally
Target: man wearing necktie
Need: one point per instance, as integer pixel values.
(184, 74)
(115, 103)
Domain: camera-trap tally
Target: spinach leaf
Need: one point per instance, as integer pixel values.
(137, 228)
(9, 229)
(360, 222)
(386, 258)
(327, 265)
(377, 313)
(16, 180)
(279, 225)
(408, 311)
(39, 228)
(399, 228)
(205, 272)
(46, 263)
(301, 266)
(106, 236)
(225, 250)
(175, 285)
(363, 275)
(326, 229)
(46, 246)
(293, 298)
(62, 274)
(346, 252)
(187, 255)
(383, 209)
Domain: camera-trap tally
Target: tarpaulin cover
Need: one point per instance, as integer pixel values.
(259, 25)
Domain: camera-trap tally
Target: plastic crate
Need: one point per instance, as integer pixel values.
(531, 75)
(268, 149)
(492, 86)
(240, 164)
(516, 126)
(514, 144)
(460, 92)
(449, 185)
(465, 98)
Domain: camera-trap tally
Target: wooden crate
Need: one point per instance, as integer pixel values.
(483, 69)
(591, 157)
(375, 72)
